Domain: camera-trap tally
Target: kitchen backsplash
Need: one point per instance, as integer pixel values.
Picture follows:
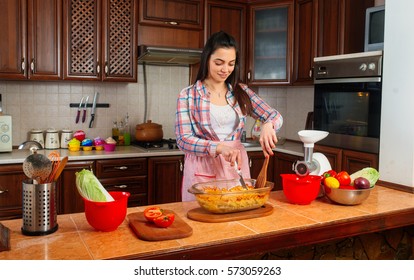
(44, 105)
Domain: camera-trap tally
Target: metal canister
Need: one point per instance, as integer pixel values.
(39, 208)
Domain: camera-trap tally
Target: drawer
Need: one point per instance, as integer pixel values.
(112, 168)
(136, 186)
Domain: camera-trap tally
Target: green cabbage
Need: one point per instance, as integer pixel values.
(369, 173)
(90, 188)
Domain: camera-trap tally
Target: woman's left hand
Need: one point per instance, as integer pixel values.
(268, 138)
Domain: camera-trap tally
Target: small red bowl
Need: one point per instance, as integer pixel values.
(107, 216)
(301, 190)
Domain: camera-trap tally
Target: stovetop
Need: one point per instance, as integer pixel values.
(164, 144)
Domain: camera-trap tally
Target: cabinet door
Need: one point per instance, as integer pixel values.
(174, 13)
(69, 198)
(283, 165)
(13, 56)
(119, 41)
(218, 15)
(353, 161)
(164, 179)
(11, 180)
(305, 41)
(44, 39)
(270, 43)
(82, 40)
(256, 160)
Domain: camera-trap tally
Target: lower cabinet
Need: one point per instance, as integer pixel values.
(165, 176)
(11, 178)
(348, 160)
(69, 199)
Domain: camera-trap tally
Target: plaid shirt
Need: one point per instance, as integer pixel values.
(193, 125)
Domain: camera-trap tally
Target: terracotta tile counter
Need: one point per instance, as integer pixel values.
(288, 226)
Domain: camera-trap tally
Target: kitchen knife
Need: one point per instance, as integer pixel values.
(84, 109)
(79, 109)
(93, 109)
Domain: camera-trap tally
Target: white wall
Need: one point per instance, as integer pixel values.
(397, 118)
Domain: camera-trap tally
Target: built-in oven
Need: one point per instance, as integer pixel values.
(347, 100)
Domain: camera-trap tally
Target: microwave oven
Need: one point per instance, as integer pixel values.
(374, 28)
(5, 133)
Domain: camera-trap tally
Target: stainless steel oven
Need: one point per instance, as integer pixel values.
(347, 100)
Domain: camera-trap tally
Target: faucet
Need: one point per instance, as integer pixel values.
(30, 144)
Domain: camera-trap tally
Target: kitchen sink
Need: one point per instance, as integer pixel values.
(250, 144)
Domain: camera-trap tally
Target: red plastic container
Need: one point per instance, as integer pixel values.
(107, 216)
(301, 190)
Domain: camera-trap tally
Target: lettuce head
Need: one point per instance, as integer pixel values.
(90, 188)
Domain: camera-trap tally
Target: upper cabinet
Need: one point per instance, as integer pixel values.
(270, 44)
(171, 23)
(217, 18)
(100, 40)
(31, 44)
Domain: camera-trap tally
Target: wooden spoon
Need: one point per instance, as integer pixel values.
(262, 177)
(60, 168)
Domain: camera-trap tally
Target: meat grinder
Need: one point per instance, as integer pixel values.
(313, 163)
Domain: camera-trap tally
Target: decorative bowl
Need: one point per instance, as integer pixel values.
(347, 196)
(109, 147)
(228, 196)
(301, 189)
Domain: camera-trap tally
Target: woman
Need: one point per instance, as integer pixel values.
(211, 115)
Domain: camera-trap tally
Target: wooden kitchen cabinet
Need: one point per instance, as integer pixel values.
(217, 18)
(283, 165)
(165, 176)
(100, 40)
(129, 175)
(341, 26)
(11, 190)
(69, 199)
(31, 44)
(348, 160)
(256, 160)
(270, 43)
(171, 23)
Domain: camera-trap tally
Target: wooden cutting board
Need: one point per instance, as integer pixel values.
(150, 232)
(4, 238)
(202, 215)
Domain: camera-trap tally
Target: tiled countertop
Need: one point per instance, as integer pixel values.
(18, 156)
(289, 225)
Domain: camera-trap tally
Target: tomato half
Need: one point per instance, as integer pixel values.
(164, 220)
(343, 178)
(150, 213)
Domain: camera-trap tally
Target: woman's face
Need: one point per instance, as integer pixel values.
(221, 64)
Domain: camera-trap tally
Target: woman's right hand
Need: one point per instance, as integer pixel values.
(230, 154)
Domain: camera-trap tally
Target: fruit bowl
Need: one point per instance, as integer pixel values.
(228, 196)
(301, 189)
(347, 196)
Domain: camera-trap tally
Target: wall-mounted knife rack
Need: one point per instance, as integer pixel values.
(89, 105)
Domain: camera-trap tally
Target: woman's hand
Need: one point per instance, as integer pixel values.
(268, 138)
(229, 154)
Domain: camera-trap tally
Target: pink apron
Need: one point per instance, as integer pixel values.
(204, 169)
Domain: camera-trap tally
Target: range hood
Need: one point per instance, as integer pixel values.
(168, 56)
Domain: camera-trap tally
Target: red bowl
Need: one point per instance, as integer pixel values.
(107, 216)
(301, 190)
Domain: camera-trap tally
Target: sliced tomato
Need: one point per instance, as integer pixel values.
(343, 178)
(150, 213)
(164, 220)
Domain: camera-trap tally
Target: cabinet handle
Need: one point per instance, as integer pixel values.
(248, 76)
(32, 65)
(172, 23)
(23, 65)
(98, 68)
(106, 68)
(181, 165)
(250, 163)
(311, 73)
(121, 167)
(121, 187)
(3, 191)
